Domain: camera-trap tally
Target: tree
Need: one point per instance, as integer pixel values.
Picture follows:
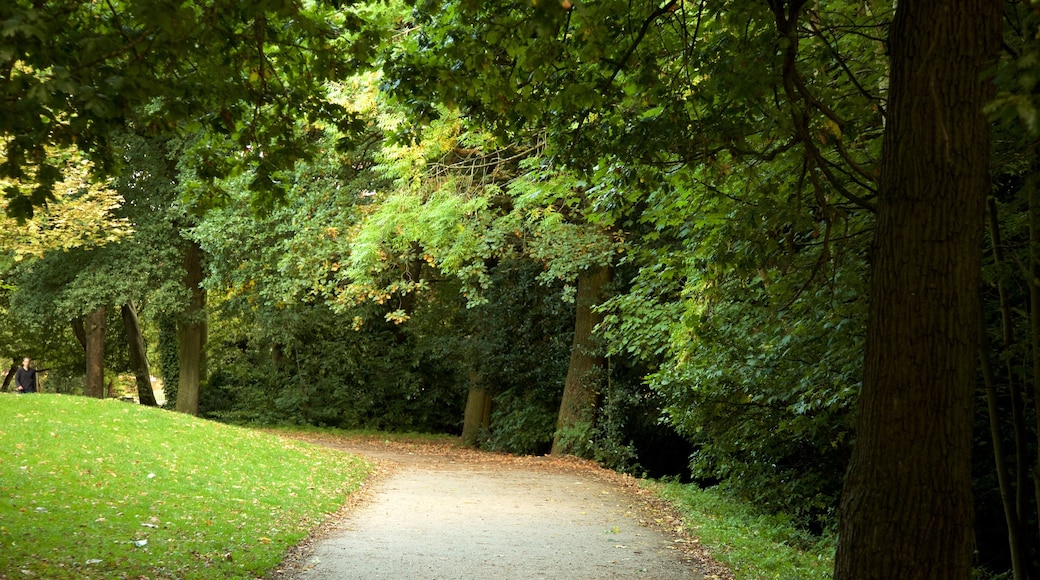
(907, 506)
(464, 203)
(582, 386)
(138, 354)
(192, 333)
(94, 324)
(79, 214)
(815, 105)
(733, 147)
(77, 71)
(82, 215)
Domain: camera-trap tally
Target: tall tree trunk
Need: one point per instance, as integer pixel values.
(138, 355)
(1011, 484)
(1034, 318)
(94, 325)
(1018, 551)
(191, 334)
(581, 387)
(1014, 384)
(477, 416)
(906, 510)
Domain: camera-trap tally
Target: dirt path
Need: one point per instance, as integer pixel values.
(440, 512)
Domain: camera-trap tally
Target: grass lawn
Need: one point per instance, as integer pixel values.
(752, 545)
(103, 489)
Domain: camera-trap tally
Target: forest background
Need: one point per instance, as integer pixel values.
(658, 234)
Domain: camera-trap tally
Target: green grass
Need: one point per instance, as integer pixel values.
(752, 545)
(101, 489)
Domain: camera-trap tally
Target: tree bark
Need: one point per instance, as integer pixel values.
(79, 331)
(94, 325)
(477, 416)
(191, 335)
(906, 510)
(581, 388)
(138, 355)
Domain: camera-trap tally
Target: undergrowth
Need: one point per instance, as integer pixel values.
(753, 545)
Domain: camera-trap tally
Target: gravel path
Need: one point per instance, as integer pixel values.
(440, 512)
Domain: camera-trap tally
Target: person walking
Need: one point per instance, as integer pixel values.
(25, 377)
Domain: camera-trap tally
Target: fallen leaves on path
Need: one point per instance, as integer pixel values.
(391, 453)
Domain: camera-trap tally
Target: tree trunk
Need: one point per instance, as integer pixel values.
(906, 510)
(138, 355)
(1007, 342)
(477, 416)
(191, 335)
(1013, 492)
(581, 387)
(94, 325)
(79, 331)
(1018, 551)
(1034, 319)
(9, 377)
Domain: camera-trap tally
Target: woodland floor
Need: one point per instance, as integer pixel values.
(437, 511)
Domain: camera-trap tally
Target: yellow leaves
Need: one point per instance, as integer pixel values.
(831, 128)
(397, 316)
(79, 215)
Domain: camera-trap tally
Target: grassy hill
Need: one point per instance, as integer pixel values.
(100, 489)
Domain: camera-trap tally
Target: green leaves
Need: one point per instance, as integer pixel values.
(79, 70)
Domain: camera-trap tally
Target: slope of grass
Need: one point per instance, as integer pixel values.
(101, 489)
(754, 546)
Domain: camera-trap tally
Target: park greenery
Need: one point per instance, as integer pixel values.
(783, 249)
(96, 489)
(102, 489)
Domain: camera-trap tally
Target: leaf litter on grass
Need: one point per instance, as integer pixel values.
(108, 488)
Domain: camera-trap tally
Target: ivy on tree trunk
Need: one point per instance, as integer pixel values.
(581, 388)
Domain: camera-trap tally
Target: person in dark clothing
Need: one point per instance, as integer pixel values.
(25, 377)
